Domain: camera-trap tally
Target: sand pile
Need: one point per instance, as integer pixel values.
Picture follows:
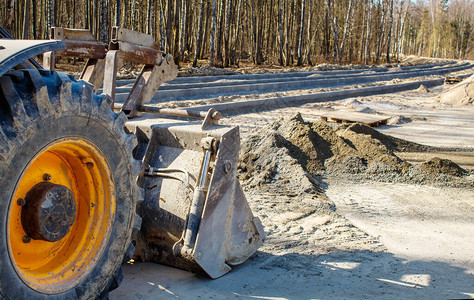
(264, 160)
(437, 166)
(460, 94)
(291, 153)
(422, 89)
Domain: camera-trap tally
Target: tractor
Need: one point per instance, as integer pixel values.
(90, 180)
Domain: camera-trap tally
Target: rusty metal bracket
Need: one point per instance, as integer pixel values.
(102, 67)
(211, 118)
(110, 73)
(93, 72)
(158, 66)
(79, 43)
(150, 79)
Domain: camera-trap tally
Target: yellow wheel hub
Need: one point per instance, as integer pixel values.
(52, 267)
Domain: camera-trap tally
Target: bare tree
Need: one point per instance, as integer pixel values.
(118, 10)
(103, 21)
(26, 20)
(282, 25)
(199, 36)
(10, 15)
(367, 38)
(382, 23)
(389, 37)
(176, 29)
(182, 30)
(302, 29)
(350, 12)
(134, 12)
(220, 33)
(213, 33)
(227, 33)
(50, 15)
(149, 16)
(237, 31)
(162, 29)
(334, 30)
(274, 31)
(35, 33)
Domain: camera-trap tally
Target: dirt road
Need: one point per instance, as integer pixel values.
(383, 240)
(426, 232)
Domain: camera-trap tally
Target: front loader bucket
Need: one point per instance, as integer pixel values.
(195, 214)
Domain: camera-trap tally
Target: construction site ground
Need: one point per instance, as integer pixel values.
(350, 212)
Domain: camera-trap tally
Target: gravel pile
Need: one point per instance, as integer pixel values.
(291, 153)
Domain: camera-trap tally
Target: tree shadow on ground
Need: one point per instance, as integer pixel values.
(339, 275)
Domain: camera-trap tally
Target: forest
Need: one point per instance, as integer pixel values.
(225, 33)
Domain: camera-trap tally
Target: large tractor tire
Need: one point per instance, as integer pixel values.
(68, 192)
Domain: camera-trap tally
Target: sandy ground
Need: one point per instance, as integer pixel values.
(385, 240)
(413, 222)
(413, 242)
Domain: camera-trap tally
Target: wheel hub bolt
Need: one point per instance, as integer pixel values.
(21, 201)
(46, 177)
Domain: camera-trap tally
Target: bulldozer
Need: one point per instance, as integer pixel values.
(88, 183)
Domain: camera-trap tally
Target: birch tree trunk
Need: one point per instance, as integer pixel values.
(389, 37)
(35, 34)
(309, 33)
(350, 11)
(213, 34)
(197, 51)
(50, 16)
(176, 29)
(334, 31)
(162, 29)
(206, 32)
(282, 60)
(382, 22)
(401, 36)
(148, 16)
(134, 9)
(227, 33)
(103, 21)
(118, 10)
(10, 15)
(26, 20)
(237, 25)
(220, 32)
(302, 29)
(182, 30)
(367, 50)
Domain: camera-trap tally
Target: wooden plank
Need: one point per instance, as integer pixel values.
(354, 117)
(452, 80)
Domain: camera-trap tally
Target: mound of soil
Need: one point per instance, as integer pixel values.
(206, 71)
(422, 89)
(291, 153)
(392, 143)
(460, 94)
(437, 166)
(264, 160)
